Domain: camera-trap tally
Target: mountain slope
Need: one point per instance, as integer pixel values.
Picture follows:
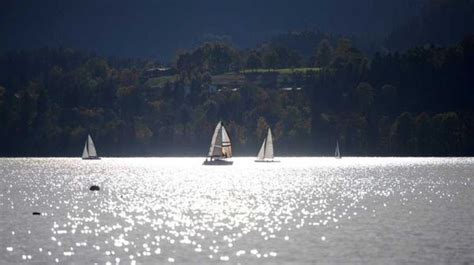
(441, 22)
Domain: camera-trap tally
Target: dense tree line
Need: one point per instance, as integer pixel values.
(441, 22)
(418, 102)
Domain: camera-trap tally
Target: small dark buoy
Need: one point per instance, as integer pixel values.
(36, 213)
(94, 188)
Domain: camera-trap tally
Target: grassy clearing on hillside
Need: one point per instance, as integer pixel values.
(233, 78)
(229, 78)
(160, 81)
(285, 71)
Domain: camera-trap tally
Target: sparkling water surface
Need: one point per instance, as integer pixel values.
(299, 211)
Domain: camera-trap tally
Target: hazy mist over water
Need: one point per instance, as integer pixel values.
(299, 211)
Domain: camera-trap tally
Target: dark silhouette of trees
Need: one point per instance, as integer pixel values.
(417, 102)
(441, 22)
(253, 61)
(323, 54)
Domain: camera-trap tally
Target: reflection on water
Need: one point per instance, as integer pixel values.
(303, 210)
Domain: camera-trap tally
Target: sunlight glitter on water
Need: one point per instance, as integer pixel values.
(175, 210)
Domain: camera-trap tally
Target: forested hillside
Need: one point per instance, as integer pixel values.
(441, 22)
(158, 28)
(417, 102)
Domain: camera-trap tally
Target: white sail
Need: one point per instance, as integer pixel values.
(216, 142)
(261, 153)
(337, 154)
(220, 143)
(266, 151)
(85, 154)
(220, 149)
(269, 145)
(226, 145)
(91, 147)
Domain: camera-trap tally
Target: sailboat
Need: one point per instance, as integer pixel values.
(266, 151)
(337, 153)
(220, 149)
(89, 152)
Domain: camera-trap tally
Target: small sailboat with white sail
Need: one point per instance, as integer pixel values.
(89, 152)
(337, 153)
(266, 151)
(221, 148)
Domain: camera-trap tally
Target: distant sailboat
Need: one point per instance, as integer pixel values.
(220, 149)
(89, 152)
(337, 153)
(266, 151)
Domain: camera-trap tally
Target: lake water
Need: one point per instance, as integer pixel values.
(299, 211)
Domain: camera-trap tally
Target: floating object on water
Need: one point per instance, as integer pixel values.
(89, 152)
(337, 153)
(266, 151)
(36, 213)
(94, 188)
(221, 148)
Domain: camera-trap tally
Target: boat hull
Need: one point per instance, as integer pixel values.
(91, 158)
(217, 162)
(267, 161)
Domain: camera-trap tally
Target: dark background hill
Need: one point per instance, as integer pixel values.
(157, 28)
(440, 22)
(381, 77)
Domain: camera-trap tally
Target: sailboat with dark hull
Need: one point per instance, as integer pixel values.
(221, 148)
(266, 151)
(89, 152)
